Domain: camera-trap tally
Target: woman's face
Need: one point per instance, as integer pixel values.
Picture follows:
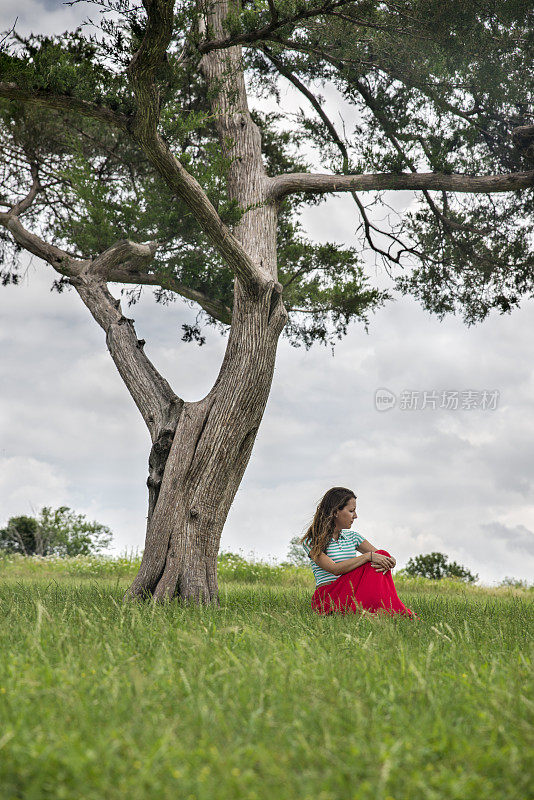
(347, 515)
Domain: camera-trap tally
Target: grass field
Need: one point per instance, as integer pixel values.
(260, 698)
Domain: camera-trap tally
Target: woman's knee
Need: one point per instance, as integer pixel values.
(384, 553)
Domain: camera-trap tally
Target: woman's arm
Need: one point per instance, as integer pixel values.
(367, 547)
(341, 567)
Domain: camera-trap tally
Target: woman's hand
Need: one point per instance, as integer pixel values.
(382, 563)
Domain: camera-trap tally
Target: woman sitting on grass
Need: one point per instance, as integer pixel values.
(365, 581)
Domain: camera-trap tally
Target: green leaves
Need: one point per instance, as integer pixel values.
(434, 87)
(66, 65)
(59, 532)
(435, 566)
(324, 286)
(431, 86)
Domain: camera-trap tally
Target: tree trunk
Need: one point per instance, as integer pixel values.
(214, 437)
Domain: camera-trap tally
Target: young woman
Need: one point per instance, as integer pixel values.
(345, 581)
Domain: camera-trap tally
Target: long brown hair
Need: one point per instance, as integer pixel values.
(320, 533)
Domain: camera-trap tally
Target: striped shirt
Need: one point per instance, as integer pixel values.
(344, 548)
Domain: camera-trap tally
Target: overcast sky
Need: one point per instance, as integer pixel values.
(455, 480)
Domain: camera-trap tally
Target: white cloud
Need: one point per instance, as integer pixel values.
(27, 484)
(49, 17)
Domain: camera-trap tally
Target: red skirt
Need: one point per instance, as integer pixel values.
(361, 588)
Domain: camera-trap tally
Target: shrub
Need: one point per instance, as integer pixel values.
(434, 565)
(296, 554)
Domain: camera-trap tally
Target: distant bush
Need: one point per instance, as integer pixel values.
(58, 532)
(434, 565)
(296, 554)
(515, 583)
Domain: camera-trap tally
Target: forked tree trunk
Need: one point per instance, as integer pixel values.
(200, 450)
(208, 456)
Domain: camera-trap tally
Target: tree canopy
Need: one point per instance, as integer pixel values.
(59, 532)
(437, 89)
(436, 566)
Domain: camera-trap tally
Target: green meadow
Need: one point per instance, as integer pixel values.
(259, 698)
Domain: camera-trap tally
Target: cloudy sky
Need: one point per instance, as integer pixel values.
(455, 480)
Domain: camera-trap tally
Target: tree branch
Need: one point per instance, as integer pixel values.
(373, 64)
(24, 204)
(57, 258)
(61, 260)
(65, 103)
(152, 394)
(160, 407)
(368, 226)
(288, 183)
(124, 261)
(143, 72)
(158, 404)
(109, 266)
(124, 254)
(448, 224)
(275, 24)
(215, 308)
(280, 66)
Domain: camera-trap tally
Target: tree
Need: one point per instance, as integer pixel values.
(134, 158)
(435, 566)
(296, 554)
(21, 535)
(58, 532)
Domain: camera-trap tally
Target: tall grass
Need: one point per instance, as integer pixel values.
(231, 567)
(260, 698)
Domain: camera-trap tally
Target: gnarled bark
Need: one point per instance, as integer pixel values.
(208, 456)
